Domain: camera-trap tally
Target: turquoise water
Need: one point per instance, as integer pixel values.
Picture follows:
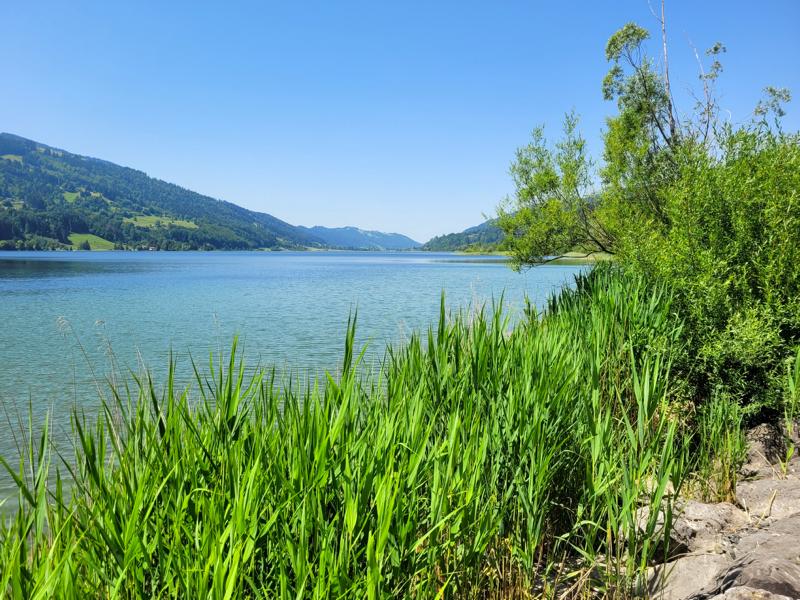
(65, 316)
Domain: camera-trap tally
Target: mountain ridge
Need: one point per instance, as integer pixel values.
(355, 238)
(54, 199)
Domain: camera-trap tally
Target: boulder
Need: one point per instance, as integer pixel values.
(747, 593)
(769, 498)
(775, 575)
(681, 578)
(708, 527)
(766, 448)
(766, 559)
(780, 540)
(698, 527)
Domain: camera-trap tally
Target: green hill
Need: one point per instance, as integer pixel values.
(484, 237)
(49, 198)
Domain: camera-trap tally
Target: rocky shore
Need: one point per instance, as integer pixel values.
(746, 549)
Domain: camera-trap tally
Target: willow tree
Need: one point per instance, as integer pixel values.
(709, 207)
(561, 203)
(554, 210)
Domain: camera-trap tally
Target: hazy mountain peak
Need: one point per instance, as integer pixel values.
(355, 238)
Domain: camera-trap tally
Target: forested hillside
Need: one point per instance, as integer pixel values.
(50, 198)
(486, 236)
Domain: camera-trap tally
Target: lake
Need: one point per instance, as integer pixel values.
(72, 320)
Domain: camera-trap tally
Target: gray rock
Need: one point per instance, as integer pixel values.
(766, 448)
(781, 539)
(775, 575)
(698, 527)
(767, 559)
(708, 527)
(734, 554)
(681, 578)
(766, 441)
(765, 498)
(747, 593)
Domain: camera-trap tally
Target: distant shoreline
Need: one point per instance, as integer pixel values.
(569, 259)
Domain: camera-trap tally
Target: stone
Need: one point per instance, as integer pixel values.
(766, 448)
(766, 559)
(769, 498)
(681, 578)
(744, 592)
(704, 527)
(721, 552)
(775, 575)
(698, 527)
(781, 539)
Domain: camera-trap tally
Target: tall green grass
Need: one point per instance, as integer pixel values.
(482, 461)
(791, 407)
(720, 448)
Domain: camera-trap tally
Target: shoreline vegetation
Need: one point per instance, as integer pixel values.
(475, 463)
(482, 461)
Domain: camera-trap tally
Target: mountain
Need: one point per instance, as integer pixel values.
(486, 236)
(353, 238)
(51, 198)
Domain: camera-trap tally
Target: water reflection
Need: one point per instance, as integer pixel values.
(28, 268)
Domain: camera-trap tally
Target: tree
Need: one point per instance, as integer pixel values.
(85, 245)
(705, 206)
(554, 210)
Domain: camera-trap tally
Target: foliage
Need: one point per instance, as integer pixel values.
(553, 210)
(733, 252)
(486, 237)
(709, 208)
(47, 194)
(720, 448)
(476, 462)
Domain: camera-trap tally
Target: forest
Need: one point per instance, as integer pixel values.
(48, 195)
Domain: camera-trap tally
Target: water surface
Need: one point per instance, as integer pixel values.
(63, 316)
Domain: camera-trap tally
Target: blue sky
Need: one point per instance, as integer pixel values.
(398, 116)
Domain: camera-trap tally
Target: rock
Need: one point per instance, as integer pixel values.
(792, 432)
(747, 593)
(735, 554)
(766, 441)
(775, 575)
(681, 578)
(698, 527)
(780, 540)
(766, 447)
(704, 527)
(767, 559)
(765, 498)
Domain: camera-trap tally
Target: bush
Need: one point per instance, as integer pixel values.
(732, 253)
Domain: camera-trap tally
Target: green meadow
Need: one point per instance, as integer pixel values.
(155, 221)
(95, 242)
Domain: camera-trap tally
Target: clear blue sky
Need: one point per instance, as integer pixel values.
(398, 116)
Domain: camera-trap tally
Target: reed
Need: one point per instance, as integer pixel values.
(483, 461)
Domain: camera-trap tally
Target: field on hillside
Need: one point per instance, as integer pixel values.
(96, 242)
